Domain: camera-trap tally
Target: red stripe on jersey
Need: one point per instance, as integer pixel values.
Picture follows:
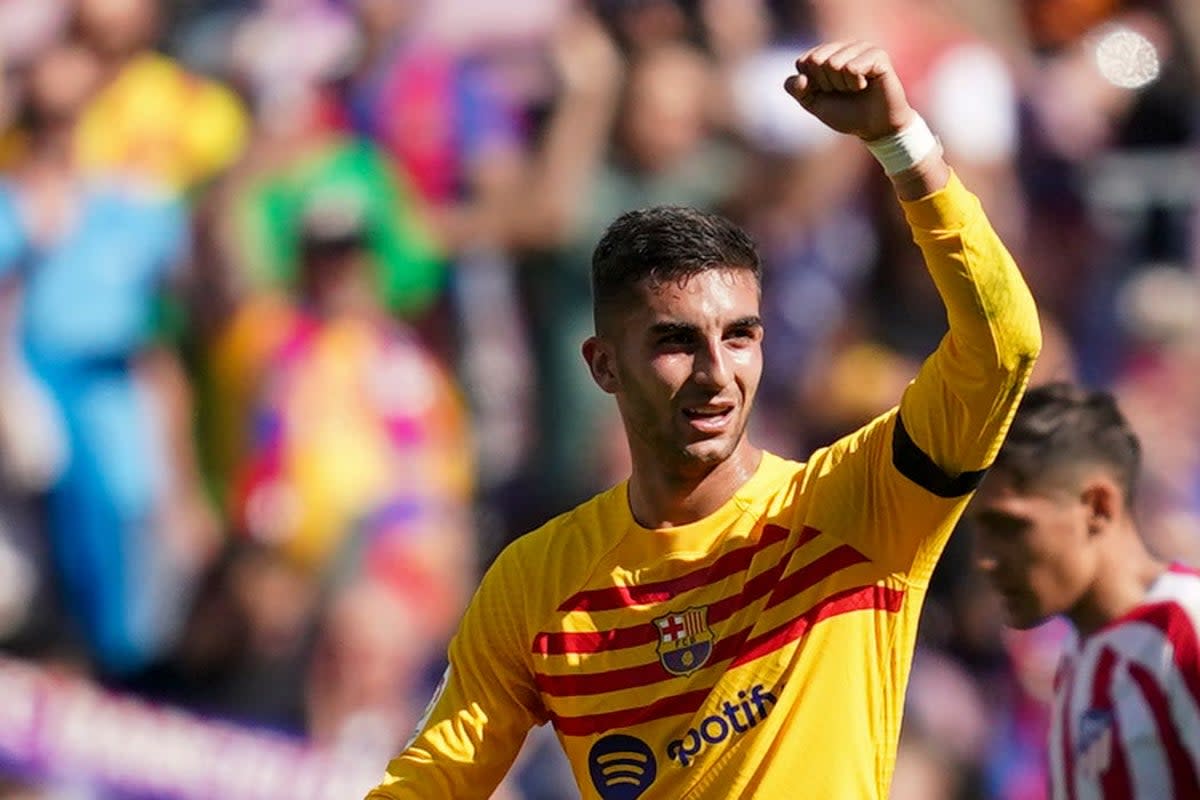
(1114, 782)
(1183, 773)
(556, 644)
(613, 680)
(727, 647)
(560, 642)
(731, 563)
(811, 574)
(1067, 763)
(1177, 626)
(858, 599)
(866, 597)
(589, 724)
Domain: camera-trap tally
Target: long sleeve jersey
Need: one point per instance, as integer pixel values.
(764, 650)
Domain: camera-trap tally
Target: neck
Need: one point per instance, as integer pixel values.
(353, 296)
(1122, 580)
(665, 498)
(112, 63)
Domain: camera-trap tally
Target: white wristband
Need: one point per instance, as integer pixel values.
(905, 148)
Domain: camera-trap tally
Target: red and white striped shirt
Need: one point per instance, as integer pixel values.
(1127, 702)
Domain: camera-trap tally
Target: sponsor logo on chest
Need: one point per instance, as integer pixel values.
(732, 719)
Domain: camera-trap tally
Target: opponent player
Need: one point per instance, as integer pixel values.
(727, 623)
(1056, 535)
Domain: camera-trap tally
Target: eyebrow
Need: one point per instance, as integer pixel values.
(995, 518)
(751, 321)
(669, 328)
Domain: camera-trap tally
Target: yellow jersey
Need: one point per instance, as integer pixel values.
(763, 651)
(158, 121)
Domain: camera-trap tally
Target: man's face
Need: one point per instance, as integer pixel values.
(61, 82)
(118, 27)
(664, 118)
(1034, 546)
(684, 362)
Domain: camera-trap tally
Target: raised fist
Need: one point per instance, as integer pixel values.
(851, 87)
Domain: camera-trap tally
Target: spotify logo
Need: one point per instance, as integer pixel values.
(622, 767)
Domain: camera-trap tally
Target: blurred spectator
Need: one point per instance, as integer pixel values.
(640, 26)
(453, 127)
(26, 28)
(353, 490)
(242, 655)
(254, 236)
(357, 467)
(471, 25)
(362, 688)
(356, 431)
(407, 269)
(924, 771)
(946, 703)
(283, 49)
(128, 524)
(1160, 306)
(1019, 701)
(151, 117)
(442, 117)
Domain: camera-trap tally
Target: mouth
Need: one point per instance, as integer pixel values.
(712, 418)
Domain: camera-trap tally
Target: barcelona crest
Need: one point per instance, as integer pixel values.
(685, 641)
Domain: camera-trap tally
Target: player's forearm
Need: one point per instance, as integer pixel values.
(927, 176)
(992, 315)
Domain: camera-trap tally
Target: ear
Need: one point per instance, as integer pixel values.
(600, 360)
(1104, 503)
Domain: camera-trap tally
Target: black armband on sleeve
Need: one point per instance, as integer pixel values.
(914, 464)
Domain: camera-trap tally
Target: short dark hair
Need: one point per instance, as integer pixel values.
(662, 244)
(1059, 426)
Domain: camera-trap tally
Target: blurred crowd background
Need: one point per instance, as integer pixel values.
(291, 298)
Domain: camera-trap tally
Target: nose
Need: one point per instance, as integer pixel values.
(712, 367)
(985, 559)
(982, 553)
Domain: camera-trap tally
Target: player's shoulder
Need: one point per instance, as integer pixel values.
(1161, 636)
(777, 468)
(1170, 613)
(1179, 587)
(862, 440)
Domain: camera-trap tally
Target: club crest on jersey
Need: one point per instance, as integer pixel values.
(1094, 750)
(685, 641)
